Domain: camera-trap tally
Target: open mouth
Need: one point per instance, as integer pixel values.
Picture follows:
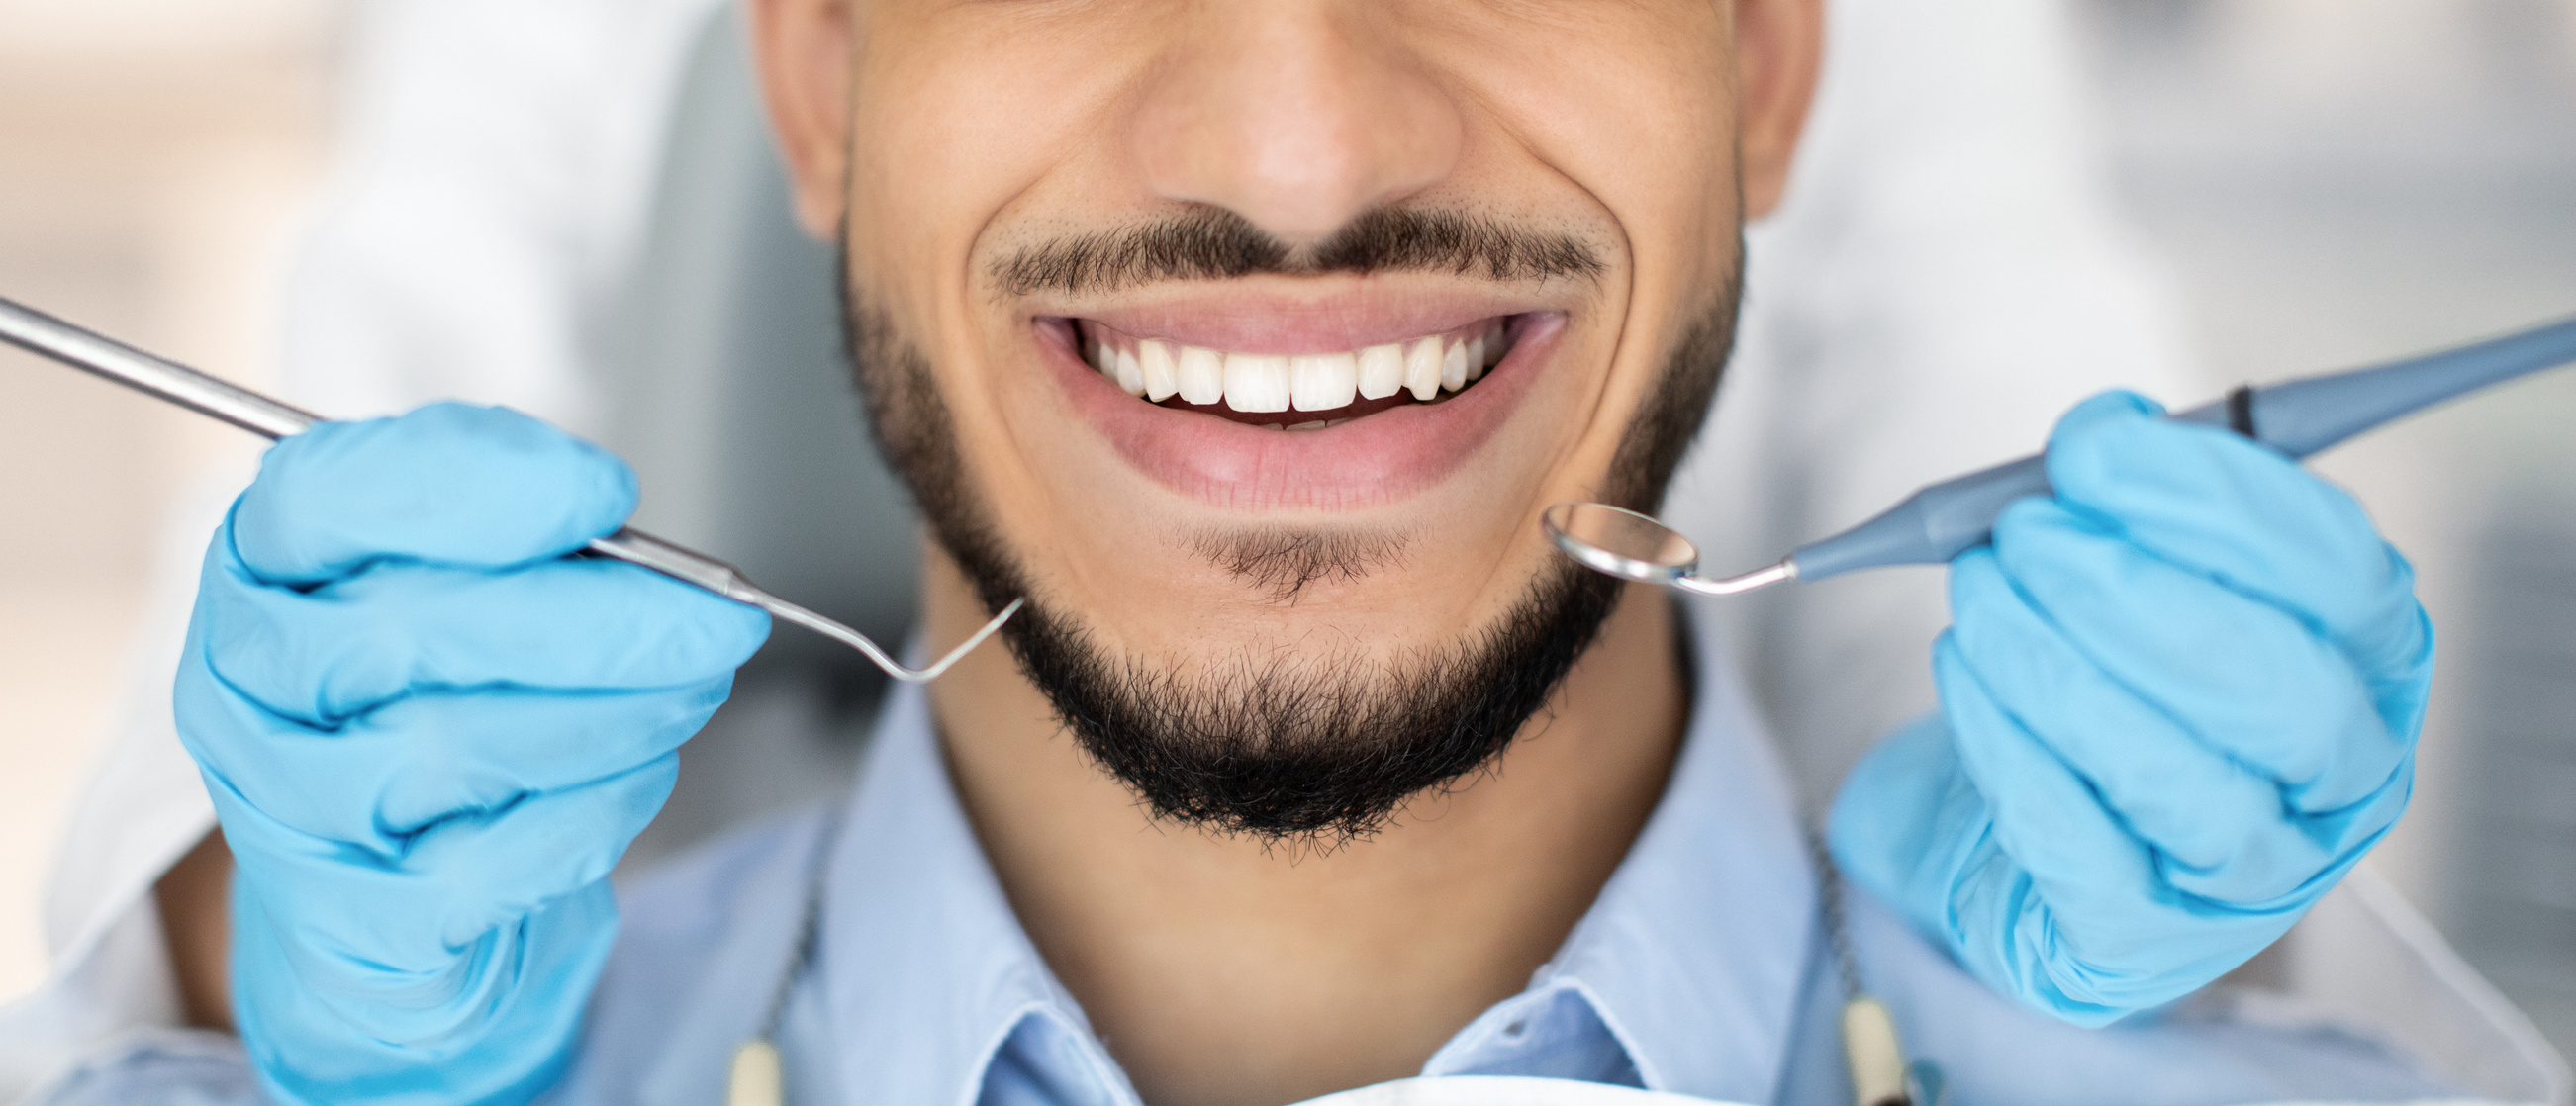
(1304, 391)
(1347, 406)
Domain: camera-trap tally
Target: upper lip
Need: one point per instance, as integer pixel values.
(1259, 315)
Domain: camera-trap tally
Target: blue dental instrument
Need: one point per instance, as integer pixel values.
(2298, 418)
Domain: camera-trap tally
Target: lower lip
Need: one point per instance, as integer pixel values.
(1369, 461)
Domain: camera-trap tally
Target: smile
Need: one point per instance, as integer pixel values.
(1330, 388)
(1336, 409)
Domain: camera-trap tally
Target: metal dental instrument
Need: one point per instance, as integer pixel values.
(2298, 418)
(39, 333)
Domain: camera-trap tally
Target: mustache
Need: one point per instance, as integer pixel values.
(1213, 243)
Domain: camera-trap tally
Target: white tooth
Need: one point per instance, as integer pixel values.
(1381, 371)
(1101, 357)
(1422, 368)
(1323, 382)
(1202, 375)
(1318, 424)
(1162, 372)
(1478, 353)
(1453, 366)
(1131, 373)
(1254, 382)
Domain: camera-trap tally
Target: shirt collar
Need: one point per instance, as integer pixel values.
(926, 971)
(1692, 958)
(1697, 950)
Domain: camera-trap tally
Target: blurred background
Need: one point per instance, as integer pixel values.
(154, 157)
(2328, 182)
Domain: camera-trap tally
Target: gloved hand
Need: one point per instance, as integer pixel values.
(2179, 700)
(429, 737)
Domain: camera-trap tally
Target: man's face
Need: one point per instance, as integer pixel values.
(1247, 340)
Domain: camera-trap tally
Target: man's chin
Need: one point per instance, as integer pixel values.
(1310, 745)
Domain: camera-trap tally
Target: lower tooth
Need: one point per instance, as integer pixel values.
(1316, 425)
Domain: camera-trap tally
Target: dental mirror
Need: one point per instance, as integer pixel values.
(1615, 541)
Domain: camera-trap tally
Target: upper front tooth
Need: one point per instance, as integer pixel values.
(1381, 371)
(1162, 371)
(1422, 368)
(1256, 382)
(1159, 369)
(1131, 373)
(1321, 382)
(1202, 375)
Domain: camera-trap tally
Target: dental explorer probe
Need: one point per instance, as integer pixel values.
(39, 333)
(2296, 418)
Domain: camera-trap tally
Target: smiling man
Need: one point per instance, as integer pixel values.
(1245, 342)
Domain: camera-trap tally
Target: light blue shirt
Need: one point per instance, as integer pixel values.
(1702, 969)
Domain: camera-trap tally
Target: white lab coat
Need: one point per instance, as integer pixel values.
(1946, 277)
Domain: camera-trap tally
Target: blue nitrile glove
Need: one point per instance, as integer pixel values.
(2178, 701)
(429, 737)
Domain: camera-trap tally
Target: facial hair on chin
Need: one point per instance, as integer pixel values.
(1311, 748)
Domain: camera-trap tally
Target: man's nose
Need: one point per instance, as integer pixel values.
(1294, 114)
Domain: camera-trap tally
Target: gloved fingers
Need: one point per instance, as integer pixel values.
(1904, 819)
(2217, 828)
(2238, 674)
(324, 655)
(552, 745)
(375, 783)
(1913, 828)
(403, 922)
(2240, 513)
(2077, 853)
(550, 958)
(449, 483)
(513, 863)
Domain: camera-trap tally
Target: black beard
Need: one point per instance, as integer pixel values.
(1314, 748)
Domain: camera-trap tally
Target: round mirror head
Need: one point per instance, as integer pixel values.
(1619, 542)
